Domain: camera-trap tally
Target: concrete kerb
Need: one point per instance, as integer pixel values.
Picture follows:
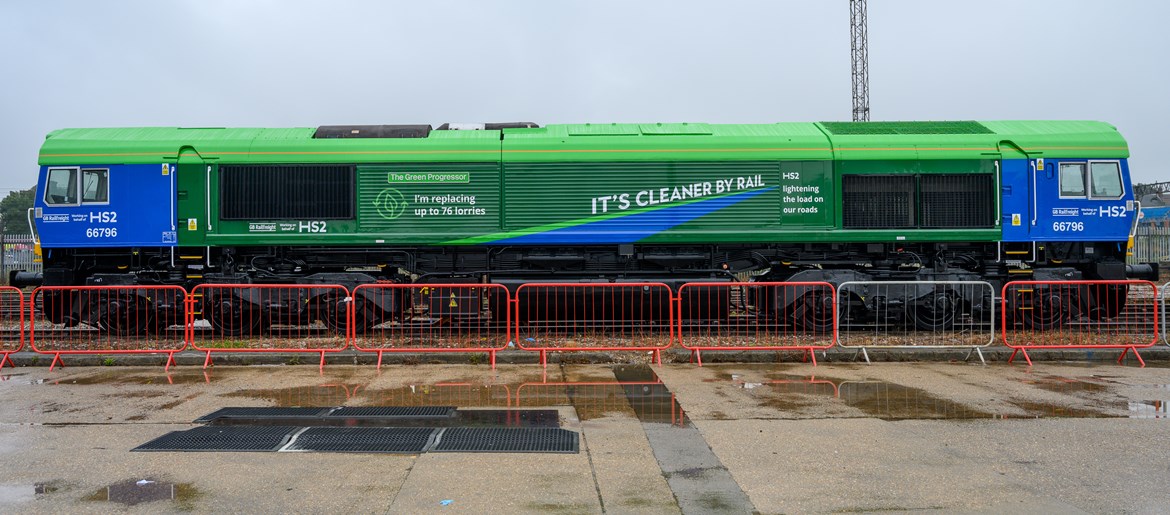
(519, 357)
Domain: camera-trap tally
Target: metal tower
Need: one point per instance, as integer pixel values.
(860, 55)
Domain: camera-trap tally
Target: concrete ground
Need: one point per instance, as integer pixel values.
(722, 438)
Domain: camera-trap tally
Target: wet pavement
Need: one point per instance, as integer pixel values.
(726, 438)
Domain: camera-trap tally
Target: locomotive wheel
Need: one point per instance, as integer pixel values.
(163, 319)
(1048, 312)
(363, 316)
(231, 317)
(814, 310)
(934, 311)
(1109, 302)
(125, 316)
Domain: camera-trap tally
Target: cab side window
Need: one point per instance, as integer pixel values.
(1106, 180)
(61, 187)
(95, 186)
(1072, 179)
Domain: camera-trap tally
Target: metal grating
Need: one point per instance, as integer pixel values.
(507, 439)
(957, 201)
(286, 192)
(222, 438)
(256, 412)
(877, 201)
(895, 128)
(402, 440)
(394, 412)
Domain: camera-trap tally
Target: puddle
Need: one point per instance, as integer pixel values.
(116, 377)
(16, 494)
(1147, 409)
(696, 476)
(307, 396)
(1068, 385)
(459, 394)
(132, 492)
(1049, 410)
(889, 401)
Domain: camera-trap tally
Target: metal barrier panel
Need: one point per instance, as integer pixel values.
(268, 318)
(430, 318)
(606, 316)
(107, 320)
(1079, 314)
(1163, 297)
(757, 316)
(915, 314)
(12, 323)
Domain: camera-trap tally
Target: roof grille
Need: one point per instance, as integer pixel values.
(897, 128)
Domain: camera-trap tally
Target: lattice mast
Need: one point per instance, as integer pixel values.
(860, 57)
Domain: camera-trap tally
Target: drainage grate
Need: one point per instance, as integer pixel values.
(255, 412)
(394, 412)
(507, 439)
(403, 440)
(222, 438)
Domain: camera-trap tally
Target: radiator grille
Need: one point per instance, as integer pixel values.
(877, 201)
(957, 201)
(286, 192)
(894, 128)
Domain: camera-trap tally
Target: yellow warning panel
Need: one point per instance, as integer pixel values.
(1016, 219)
(192, 224)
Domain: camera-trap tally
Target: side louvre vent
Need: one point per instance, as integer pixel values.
(958, 201)
(877, 201)
(286, 192)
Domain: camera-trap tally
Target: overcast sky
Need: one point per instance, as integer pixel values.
(308, 63)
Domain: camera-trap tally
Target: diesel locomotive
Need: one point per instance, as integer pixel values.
(516, 203)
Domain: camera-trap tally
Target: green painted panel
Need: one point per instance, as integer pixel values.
(546, 193)
(424, 198)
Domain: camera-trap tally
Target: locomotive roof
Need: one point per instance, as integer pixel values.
(600, 142)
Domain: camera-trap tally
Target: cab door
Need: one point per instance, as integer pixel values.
(1083, 200)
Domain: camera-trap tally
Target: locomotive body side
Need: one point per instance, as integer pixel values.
(663, 202)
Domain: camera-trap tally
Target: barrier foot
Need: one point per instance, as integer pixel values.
(1135, 354)
(1026, 357)
(698, 355)
(492, 357)
(170, 361)
(6, 360)
(207, 360)
(865, 354)
(979, 352)
(544, 359)
(56, 360)
(813, 354)
(658, 357)
(692, 359)
(322, 367)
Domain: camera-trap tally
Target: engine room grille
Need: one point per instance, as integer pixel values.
(286, 192)
(958, 201)
(892, 128)
(877, 201)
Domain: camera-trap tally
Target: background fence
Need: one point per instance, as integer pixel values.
(1151, 244)
(17, 255)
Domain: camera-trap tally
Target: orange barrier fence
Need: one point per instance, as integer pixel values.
(107, 320)
(268, 318)
(771, 316)
(1079, 315)
(603, 316)
(430, 318)
(12, 323)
